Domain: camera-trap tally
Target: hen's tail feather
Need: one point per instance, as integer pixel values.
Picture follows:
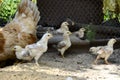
(22, 6)
(2, 41)
(28, 8)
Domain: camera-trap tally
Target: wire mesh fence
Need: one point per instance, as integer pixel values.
(83, 13)
(53, 12)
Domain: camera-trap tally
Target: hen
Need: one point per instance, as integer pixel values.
(37, 49)
(104, 51)
(20, 31)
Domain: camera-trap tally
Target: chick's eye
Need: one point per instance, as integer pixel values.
(48, 35)
(66, 23)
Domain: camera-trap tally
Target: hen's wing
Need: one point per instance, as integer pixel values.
(27, 17)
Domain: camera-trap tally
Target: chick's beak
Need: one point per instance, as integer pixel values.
(70, 33)
(84, 29)
(51, 36)
(73, 23)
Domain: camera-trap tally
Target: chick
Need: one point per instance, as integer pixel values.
(80, 33)
(22, 53)
(94, 50)
(64, 27)
(104, 51)
(37, 49)
(65, 43)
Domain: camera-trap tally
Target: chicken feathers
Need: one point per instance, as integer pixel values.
(20, 31)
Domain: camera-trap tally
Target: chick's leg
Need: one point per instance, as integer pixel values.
(62, 53)
(36, 60)
(63, 56)
(19, 62)
(98, 57)
(106, 59)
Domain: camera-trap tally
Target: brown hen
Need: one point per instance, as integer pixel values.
(20, 31)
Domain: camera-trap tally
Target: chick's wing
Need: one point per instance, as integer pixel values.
(61, 45)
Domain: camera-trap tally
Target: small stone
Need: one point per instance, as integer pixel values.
(79, 62)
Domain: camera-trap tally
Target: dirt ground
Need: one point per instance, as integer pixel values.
(77, 65)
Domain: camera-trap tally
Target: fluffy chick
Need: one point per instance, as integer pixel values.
(22, 53)
(65, 43)
(94, 50)
(37, 49)
(80, 33)
(63, 27)
(104, 51)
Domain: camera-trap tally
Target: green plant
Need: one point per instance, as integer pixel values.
(109, 15)
(111, 9)
(35, 1)
(90, 32)
(8, 9)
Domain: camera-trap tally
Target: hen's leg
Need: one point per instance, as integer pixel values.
(98, 57)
